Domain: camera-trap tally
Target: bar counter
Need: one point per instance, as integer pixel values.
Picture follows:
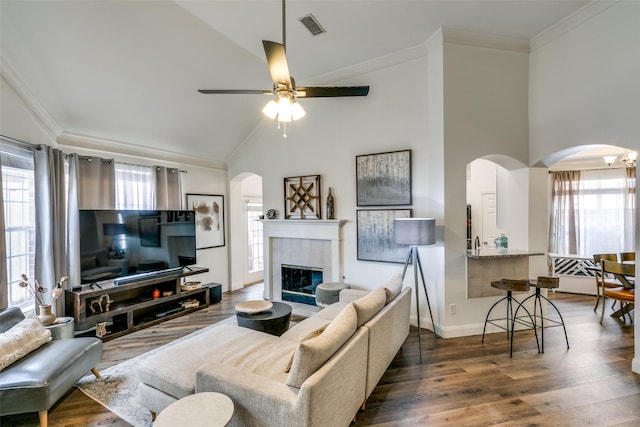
(488, 264)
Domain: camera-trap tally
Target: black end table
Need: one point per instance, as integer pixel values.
(274, 321)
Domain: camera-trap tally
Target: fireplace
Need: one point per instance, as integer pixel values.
(299, 283)
(315, 244)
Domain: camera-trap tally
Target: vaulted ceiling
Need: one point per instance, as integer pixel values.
(128, 71)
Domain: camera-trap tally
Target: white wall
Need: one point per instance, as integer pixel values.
(485, 114)
(584, 87)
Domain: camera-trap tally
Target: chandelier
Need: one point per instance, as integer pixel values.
(628, 159)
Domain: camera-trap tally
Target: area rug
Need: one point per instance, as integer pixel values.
(117, 390)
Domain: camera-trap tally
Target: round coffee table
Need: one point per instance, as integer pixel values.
(274, 321)
(197, 410)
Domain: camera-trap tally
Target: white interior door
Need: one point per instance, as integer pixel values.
(490, 230)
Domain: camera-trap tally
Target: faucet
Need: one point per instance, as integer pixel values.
(476, 243)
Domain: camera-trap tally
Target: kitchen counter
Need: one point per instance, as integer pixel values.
(489, 264)
(500, 253)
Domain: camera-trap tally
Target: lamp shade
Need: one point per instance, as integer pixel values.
(113, 229)
(414, 231)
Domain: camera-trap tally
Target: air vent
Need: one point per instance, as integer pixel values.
(312, 25)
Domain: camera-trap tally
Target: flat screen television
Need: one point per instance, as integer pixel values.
(115, 244)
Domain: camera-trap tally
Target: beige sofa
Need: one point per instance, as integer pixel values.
(319, 373)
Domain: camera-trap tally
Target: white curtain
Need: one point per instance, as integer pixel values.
(168, 188)
(51, 224)
(96, 183)
(594, 213)
(4, 287)
(135, 186)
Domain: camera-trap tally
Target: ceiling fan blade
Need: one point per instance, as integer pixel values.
(277, 61)
(235, 91)
(325, 92)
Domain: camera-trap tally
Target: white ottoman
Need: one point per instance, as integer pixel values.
(198, 410)
(328, 293)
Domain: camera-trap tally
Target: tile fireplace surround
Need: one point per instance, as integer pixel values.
(311, 243)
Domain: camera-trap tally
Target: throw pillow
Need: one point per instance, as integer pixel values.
(313, 353)
(20, 340)
(369, 305)
(309, 336)
(393, 287)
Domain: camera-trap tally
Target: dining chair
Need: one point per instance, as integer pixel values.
(608, 281)
(627, 256)
(625, 293)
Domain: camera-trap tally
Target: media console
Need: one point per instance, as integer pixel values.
(139, 302)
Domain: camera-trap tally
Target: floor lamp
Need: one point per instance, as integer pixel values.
(415, 232)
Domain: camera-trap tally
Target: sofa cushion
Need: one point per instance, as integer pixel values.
(313, 353)
(330, 312)
(369, 305)
(173, 368)
(393, 287)
(20, 340)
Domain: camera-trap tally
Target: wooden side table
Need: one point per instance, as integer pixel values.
(207, 409)
(61, 328)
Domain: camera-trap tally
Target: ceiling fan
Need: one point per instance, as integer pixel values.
(284, 107)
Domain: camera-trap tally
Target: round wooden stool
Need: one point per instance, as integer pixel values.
(509, 285)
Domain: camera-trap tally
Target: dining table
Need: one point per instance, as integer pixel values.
(627, 282)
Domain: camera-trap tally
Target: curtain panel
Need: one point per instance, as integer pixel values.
(168, 188)
(51, 226)
(4, 287)
(96, 183)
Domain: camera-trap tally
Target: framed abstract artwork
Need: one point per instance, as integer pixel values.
(209, 211)
(384, 179)
(302, 197)
(375, 235)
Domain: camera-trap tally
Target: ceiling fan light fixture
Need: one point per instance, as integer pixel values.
(297, 112)
(271, 109)
(284, 110)
(609, 160)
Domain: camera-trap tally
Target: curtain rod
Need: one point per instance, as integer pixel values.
(90, 158)
(17, 141)
(591, 169)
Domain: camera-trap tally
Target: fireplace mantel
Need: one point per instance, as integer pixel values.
(313, 230)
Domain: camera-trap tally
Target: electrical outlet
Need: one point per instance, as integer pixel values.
(452, 309)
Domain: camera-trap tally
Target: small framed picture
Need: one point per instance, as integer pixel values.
(209, 212)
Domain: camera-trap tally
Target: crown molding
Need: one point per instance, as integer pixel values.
(491, 41)
(375, 64)
(124, 148)
(570, 22)
(49, 125)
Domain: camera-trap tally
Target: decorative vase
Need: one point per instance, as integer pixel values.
(330, 212)
(45, 316)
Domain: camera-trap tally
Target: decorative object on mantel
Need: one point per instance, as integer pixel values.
(253, 307)
(330, 207)
(302, 197)
(272, 214)
(375, 235)
(415, 232)
(384, 179)
(209, 209)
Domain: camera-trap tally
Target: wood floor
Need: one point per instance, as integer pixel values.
(461, 381)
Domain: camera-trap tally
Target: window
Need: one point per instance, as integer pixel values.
(254, 236)
(19, 220)
(593, 211)
(135, 187)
